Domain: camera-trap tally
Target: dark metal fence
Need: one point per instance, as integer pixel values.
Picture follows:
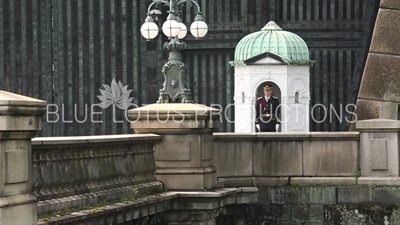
(64, 51)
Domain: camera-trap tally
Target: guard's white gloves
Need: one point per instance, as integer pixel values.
(258, 127)
(277, 127)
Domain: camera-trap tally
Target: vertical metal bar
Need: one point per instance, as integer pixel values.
(136, 51)
(293, 11)
(341, 77)
(333, 87)
(312, 92)
(285, 14)
(22, 74)
(57, 61)
(75, 57)
(85, 64)
(196, 76)
(317, 88)
(213, 92)
(258, 15)
(11, 49)
(310, 10)
(91, 69)
(219, 78)
(300, 5)
(79, 106)
(230, 92)
(272, 10)
(2, 47)
(325, 87)
(103, 33)
(219, 10)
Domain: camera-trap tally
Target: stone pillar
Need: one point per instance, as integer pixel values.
(184, 158)
(381, 81)
(20, 118)
(379, 151)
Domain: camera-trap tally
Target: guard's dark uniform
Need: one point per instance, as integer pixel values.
(267, 113)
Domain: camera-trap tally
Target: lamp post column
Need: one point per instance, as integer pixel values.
(174, 89)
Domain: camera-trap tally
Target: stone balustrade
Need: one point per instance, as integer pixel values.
(70, 172)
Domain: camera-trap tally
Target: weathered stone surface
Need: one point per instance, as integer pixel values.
(271, 181)
(277, 158)
(354, 195)
(322, 181)
(264, 194)
(361, 214)
(235, 153)
(366, 109)
(236, 181)
(187, 179)
(380, 181)
(379, 144)
(290, 223)
(183, 151)
(383, 70)
(173, 118)
(310, 213)
(318, 195)
(386, 23)
(20, 118)
(330, 158)
(389, 110)
(247, 198)
(394, 4)
(386, 195)
(285, 195)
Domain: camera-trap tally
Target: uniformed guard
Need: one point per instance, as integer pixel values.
(268, 111)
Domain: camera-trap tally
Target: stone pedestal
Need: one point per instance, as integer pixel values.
(184, 158)
(379, 149)
(20, 118)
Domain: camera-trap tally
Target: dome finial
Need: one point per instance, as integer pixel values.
(271, 25)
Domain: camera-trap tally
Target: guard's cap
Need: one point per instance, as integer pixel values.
(267, 87)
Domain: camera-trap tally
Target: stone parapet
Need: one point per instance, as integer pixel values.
(273, 159)
(69, 172)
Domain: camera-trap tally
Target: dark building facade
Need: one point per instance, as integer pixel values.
(64, 51)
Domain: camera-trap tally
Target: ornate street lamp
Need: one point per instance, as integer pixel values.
(174, 90)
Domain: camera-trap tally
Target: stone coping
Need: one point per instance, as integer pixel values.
(12, 99)
(253, 182)
(96, 139)
(174, 108)
(288, 136)
(378, 125)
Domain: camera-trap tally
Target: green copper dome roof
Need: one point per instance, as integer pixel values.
(272, 39)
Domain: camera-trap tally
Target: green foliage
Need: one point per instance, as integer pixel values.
(357, 175)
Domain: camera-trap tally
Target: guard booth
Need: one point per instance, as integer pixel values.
(277, 57)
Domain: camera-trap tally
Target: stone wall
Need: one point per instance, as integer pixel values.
(380, 82)
(286, 158)
(69, 172)
(316, 205)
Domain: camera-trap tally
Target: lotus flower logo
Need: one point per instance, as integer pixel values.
(116, 94)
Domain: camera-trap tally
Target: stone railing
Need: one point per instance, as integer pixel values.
(256, 159)
(70, 172)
